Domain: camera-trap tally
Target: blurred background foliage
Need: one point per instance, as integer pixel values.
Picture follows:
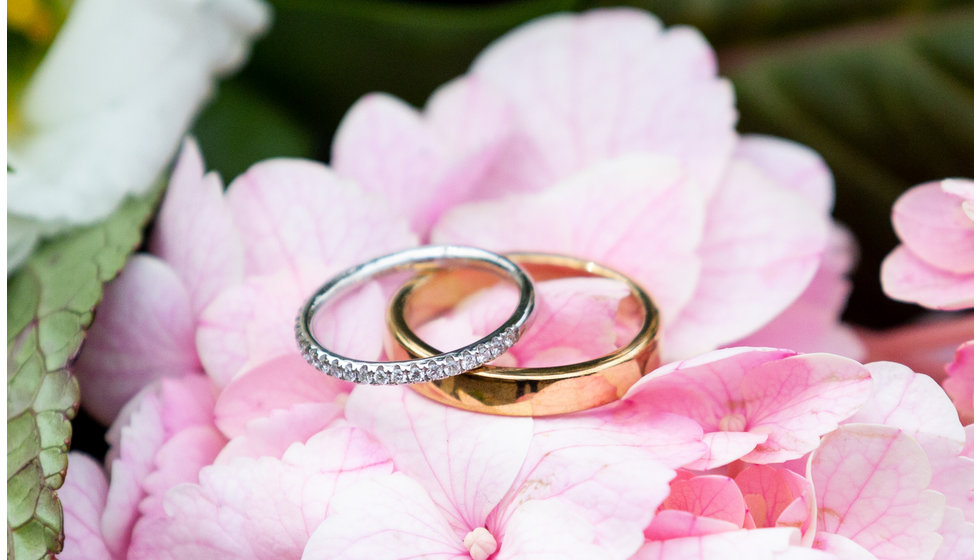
(883, 89)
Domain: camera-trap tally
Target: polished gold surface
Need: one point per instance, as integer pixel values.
(523, 391)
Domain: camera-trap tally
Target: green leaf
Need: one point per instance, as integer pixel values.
(50, 302)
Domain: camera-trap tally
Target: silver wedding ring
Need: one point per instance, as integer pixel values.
(419, 370)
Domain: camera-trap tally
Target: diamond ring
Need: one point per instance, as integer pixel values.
(419, 370)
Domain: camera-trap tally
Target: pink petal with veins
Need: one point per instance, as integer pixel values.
(259, 508)
(119, 358)
(932, 224)
(385, 517)
(296, 214)
(195, 233)
(270, 436)
(958, 537)
(580, 98)
(905, 277)
(465, 461)
(610, 468)
(762, 246)
(794, 166)
(615, 213)
(253, 322)
(675, 524)
(871, 485)
(712, 496)
(778, 497)
(841, 547)
(278, 384)
(549, 529)
(83, 498)
(761, 544)
(812, 322)
(915, 404)
(179, 460)
(959, 384)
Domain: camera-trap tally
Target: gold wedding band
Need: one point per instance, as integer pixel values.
(515, 391)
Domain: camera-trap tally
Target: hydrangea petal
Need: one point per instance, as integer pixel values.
(761, 544)
(385, 517)
(259, 508)
(931, 222)
(610, 471)
(812, 322)
(841, 547)
(195, 233)
(870, 482)
(762, 246)
(958, 537)
(549, 530)
(296, 213)
(725, 447)
(272, 435)
(959, 384)
(712, 496)
(276, 384)
(580, 98)
(252, 323)
(798, 399)
(914, 403)
(83, 500)
(178, 460)
(792, 165)
(675, 524)
(612, 213)
(778, 497)
(465, 461)
(904, 277)
(118, 360)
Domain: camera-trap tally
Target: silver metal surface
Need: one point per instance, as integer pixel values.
(421, 370)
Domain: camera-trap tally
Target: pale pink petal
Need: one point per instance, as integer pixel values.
(958, 537)
(753, 544)
(812, 322)
(580, 98)
(798, 399)
(179, 460)
(904, 277)
(794, 166)
(82, 501)
(270, 436)
(548, 530)
(725, 447)
(253, 322)
(571, 314)
(778, 497)
(259, 508)
(295, 213)
(871, 482)
(915, 404)
(385, 517)
(953, 477)
(611, 468)
(708, 496)
(674, 524)
(931, 223)
(276, 384)
(761, 248)
(959, 384)
(195, 233)
(465, 461)
(638, 215)
(143, 330)
(968, 447)
(841, 547)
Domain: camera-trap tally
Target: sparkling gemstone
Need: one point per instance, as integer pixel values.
(347, 372)
(415, 374)
(483, 354)
(380, 376)
(467, 360)
(451, 368)
(364, 375)
(398, 375)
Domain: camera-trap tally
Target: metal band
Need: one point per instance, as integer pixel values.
(524, 391)
(428, 368)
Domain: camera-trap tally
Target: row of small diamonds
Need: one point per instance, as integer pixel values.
(418, 372)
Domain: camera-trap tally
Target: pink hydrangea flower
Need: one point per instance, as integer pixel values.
(959, 384)
(934, 264)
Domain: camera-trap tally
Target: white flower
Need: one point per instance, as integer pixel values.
(107, 107)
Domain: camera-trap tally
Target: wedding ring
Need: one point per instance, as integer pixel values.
(437, 365)
(524, 391)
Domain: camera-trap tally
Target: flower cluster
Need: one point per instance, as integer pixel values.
(599, 135)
